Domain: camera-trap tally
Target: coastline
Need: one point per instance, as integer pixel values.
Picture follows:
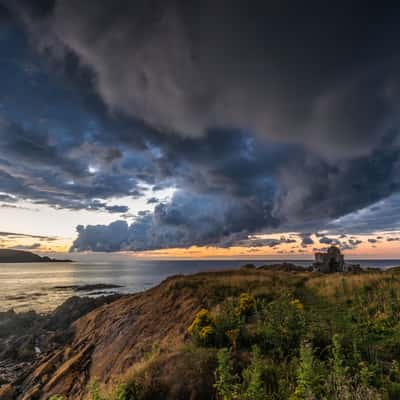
(31, 286)
(118, 330)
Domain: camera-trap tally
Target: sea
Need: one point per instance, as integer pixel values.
(44, 286)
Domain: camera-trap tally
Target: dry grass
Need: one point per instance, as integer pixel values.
(214, 287)
(185, 372)
(343, 286)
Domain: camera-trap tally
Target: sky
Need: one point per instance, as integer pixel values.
(213, 129)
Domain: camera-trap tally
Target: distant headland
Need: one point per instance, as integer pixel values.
(19, 256)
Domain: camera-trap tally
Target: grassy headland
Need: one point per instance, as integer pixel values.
(245, 334)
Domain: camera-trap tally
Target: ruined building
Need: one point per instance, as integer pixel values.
(331, 261)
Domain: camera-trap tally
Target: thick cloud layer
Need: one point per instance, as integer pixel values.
(262, 117)
(323, 77)
(185, 221)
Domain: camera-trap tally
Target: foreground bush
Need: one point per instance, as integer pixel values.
(328, 350)
(320, 338)
(202, 328)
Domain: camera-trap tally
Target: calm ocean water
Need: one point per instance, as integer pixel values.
(36, 286)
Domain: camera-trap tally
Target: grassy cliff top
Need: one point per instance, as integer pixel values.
(320, 336)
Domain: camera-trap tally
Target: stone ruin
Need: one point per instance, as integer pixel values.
(333, 261)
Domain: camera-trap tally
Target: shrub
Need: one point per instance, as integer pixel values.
(206, 335)
(124, 391)
(253, 377)
(202, 328)
(202, 319)
(226, 383)
(127, 391)
(247, 304)
(338, 362)
(307, 375)
(297, 304)
(232, 335)
(229, 324)
(280, 328)
(393, 391)
(95, 391)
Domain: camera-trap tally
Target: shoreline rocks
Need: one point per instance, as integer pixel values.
(88, 287)
(27, 337)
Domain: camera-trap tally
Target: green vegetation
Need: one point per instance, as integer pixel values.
(309, 343)
(263, 335)
(123, 391)
(226, 380)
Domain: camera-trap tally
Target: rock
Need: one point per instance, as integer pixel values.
(74, 308)
(6, 392)
(88, 288)
(111, 338)
(26, 338)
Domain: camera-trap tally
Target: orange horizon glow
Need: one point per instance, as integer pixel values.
(380, 250)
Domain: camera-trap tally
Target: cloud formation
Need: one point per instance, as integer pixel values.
(292, 127)
(184, 221)
(286, 73)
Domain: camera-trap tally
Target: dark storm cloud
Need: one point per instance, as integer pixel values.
(354, 242)
(291, 127)
(15, 141)
(306, 239)
(328, 240)
(184, 221)
(350, 244)
(264, 242)
(384, 216)
(312, 189)
(286, 72)
(51, 141)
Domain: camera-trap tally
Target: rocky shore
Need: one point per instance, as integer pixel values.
(25, 337)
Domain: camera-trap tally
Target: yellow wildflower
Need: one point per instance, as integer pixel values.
(297, 304)
(206, 332)
(247, 303)
(202, 319)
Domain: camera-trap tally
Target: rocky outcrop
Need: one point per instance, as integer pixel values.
(7, 392)
(25, 338)
(107, 341)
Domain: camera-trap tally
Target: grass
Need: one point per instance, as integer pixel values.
(305, 323)
(278, 336)
(214, 287)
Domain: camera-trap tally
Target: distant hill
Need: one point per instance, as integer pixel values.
(19, 256)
